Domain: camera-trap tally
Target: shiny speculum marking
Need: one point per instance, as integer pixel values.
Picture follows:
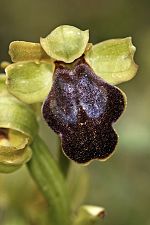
(81, 107)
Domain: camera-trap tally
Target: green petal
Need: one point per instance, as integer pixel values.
(65, 43)
(112, 60)
(29, 81)
(24, 51)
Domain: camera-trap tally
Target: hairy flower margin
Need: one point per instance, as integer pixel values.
(75, 81)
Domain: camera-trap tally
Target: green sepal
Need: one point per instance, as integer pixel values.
(27, 51)
(29, 81)
(65, 43)
(13, 150)
(89, 215)
(113, 60)
(17, 116)
(47, 175)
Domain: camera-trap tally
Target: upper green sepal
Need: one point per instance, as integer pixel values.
(29, 81)
(113, 60)
(65, 43)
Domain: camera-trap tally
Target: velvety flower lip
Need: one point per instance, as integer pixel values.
(81, 108)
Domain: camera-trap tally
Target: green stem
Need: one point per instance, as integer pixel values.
(63, 161)
(14, 218)
(48, 177)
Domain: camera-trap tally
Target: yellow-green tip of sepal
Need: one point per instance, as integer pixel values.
(65, 43)
(113, 60)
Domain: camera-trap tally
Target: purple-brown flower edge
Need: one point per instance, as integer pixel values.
(81, 108)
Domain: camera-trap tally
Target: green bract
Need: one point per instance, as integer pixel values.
(18, 126)
(112, 60)
(29, 81)
(65, 43)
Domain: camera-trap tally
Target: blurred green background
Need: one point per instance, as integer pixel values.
(122, 184)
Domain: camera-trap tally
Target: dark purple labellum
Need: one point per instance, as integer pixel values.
(81, 108)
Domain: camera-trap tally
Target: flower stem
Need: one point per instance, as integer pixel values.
(48, 177)
(63, 161)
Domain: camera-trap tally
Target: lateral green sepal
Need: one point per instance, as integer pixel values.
(29, 81)
(113, 60)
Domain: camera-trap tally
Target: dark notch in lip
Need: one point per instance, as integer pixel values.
(71, 65)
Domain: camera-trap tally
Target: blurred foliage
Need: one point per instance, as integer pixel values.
(122, 183)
